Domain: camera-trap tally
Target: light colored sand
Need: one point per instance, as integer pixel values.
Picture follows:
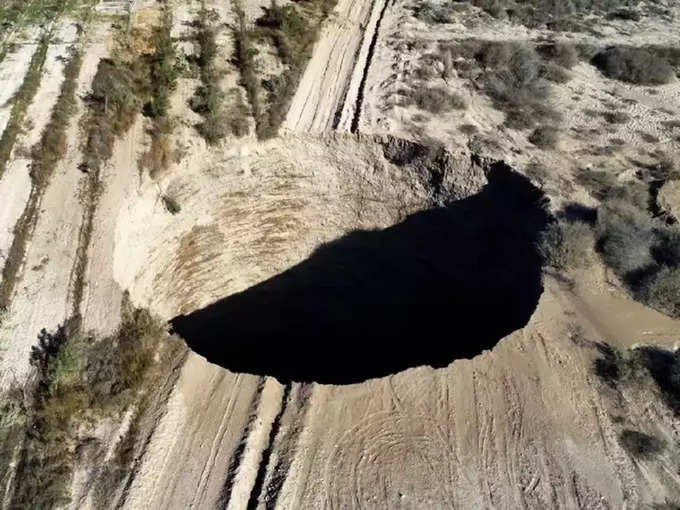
(41, 297)
(525, 425)
(332, 76)
(12, 71)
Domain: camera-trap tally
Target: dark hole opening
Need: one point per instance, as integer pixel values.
(446, 283)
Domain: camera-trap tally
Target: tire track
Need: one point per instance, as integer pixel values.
(354, 128)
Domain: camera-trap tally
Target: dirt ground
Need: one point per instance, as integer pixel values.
(527, 424)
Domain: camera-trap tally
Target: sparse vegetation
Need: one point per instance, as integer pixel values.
(468, 129)
(20, 102)
(561, 53)
(435, 99)
(640, 66)
(164, 71)
(632, 367)
(244, 58)
(82, 383)
(616, 117)
(513, 76)
(292, 29)
(644, 252)
(556, 15)
(429, 13)
(45, 155)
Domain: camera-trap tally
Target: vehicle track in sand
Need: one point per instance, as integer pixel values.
(327, 96)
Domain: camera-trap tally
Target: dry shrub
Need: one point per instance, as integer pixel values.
(641, 445)
(437, 100)
(545, 137)
(616, 117)
(561, 53)
(639, 66)
(567, 245)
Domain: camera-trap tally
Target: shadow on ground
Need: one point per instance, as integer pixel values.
(445, 283)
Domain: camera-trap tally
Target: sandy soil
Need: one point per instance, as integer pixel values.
(328, 88)
(42, 295)
(12, 71)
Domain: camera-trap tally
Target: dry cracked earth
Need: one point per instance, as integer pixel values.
(291, 255)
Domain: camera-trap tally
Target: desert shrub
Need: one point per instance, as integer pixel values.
(561, 53)
(640, 445)
(81, 382)
(664, 367)
(208, 100)
(555, 14)
(171, 205)
(616, 117)
(567, 245)
(639, 66)
(437, 100)
(164, 71)
(293, 30)
(434, 13)
(554, 73)
(671, 124)
(244, 59)
(625, 14)
(598, 183)
(515, 83)
(115, 89)
(662, 291)
(647, 137)
(626, 236)
(468, 129)
(644, 252)
(608, 366)
(512, 74)
(545, 137)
